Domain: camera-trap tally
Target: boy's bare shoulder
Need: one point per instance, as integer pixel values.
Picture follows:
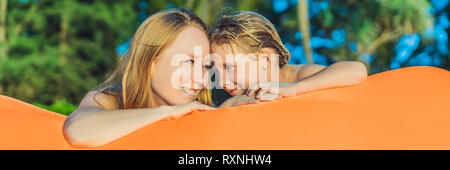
(300, 71)
(289, 73)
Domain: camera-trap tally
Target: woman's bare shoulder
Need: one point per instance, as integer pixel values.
(97, 98)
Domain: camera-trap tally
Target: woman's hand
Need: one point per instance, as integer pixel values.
(238, 101)
(184, 109)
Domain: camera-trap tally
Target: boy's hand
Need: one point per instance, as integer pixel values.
(267, 92)
(238, 101)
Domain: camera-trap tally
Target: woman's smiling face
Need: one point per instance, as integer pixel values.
(172, 78)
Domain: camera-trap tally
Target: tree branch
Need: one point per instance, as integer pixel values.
(3, 42)
(302, 11)
(18, 29)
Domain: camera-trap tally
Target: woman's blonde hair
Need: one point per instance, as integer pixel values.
(134, 68)
(249, 31)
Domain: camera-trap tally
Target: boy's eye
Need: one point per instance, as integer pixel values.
(208, 66)
(191, 61)
(229, 67)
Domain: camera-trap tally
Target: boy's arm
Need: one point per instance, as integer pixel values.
(316, 77)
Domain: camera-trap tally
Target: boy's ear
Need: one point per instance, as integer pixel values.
(267, 54)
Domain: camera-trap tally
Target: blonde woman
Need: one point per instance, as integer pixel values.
(140, 90)
(250, 33)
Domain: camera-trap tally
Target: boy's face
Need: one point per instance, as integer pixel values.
(238, 71)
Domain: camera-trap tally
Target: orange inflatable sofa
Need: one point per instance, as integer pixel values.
(407, 108)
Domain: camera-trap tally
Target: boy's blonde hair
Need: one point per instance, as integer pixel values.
(251, 32)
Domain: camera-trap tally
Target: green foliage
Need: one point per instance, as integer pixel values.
(373, 25)
(62, 49)
(60, 106)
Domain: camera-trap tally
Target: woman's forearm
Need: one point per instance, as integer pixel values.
(97, 127)
(345, 73)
